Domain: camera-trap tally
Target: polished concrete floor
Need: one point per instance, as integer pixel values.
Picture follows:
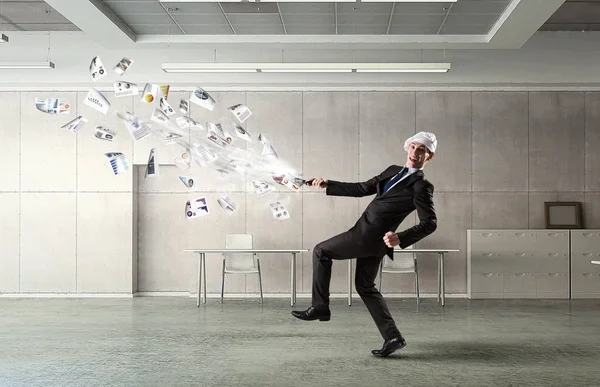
(169, 342)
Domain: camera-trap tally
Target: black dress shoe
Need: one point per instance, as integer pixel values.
(389, 346)
(312, 314)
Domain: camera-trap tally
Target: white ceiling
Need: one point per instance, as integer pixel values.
(464, 24)
(463, 17)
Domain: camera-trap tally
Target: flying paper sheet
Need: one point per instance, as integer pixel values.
(184, 107)
(203, 156)
(195, 208)
(203, 99)
(184, 160)
(150, 93)
(152, 166)
(118, 162)
(188, 181)
(241, 112)
(122, 66)
(165, 107)
(279, 211)
(97, 69)
(291, 182)
(104, 133)
(76, 124)
(242, 133)
(52, 106)
(160, 117)
(227, 204)
(216, 134)
(96, 100)
(188, 123)
(135, 128)
(125, 89)
(172, 138)
(222, 174)
(165, 91)
(261, 188)
(268, 150)
(238, 165)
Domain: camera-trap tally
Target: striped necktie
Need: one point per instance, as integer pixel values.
(394, 179)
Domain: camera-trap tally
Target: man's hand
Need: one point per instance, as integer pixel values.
(391, 239)
(317, 182)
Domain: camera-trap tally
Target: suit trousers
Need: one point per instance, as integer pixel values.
(344, 246)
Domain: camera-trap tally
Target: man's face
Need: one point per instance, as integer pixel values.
(418, 155)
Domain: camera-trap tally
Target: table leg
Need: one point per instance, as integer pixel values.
(293, 281)
(439, 280)
(204, 275)
(199, 279)
(349, 282)
(443, 281)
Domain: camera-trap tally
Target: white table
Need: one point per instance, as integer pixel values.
(441, 274)
(202, 266)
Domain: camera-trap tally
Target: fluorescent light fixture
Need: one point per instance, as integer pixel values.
(403, 68)
(309, 1)
(3, 38)
(306, 67)
(29, 65)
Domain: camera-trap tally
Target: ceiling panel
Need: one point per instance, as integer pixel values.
(254, 19)
(413, 29)
(313, 29)
(362, 29)
(197, 8)
(456, 20)
(308, 19)
(420, 8)
(197, 19)
(307, 8)
(359, 8)
(418, 20)
(120, 7)
(144, 18)
(208, 30)
(495, 7)
(381, 18)
(575, 16)
(31, 12)
(231, 8)
(258, 29)
(153, 29)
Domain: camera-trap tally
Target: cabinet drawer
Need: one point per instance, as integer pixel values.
(519, 263)
(486, 283)
(588, 283)
(582, 263)
(519, 283)
(552, 242)
(585, 241)
(552, 283)
(487, 242)
(486, 263)
(553, 263)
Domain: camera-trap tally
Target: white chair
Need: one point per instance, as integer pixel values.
(402, 264)
(240, 263)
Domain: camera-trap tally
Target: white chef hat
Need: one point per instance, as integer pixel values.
(425, 138)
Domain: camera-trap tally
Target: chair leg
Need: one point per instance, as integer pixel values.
(223, 281)
(417, 283)
(259, 280)
(380, 274)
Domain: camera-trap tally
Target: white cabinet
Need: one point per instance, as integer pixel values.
(585, 276)
(518, 263)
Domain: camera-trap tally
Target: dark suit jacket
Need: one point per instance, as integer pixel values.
(388, 210)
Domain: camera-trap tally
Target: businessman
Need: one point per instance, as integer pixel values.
(398, 191)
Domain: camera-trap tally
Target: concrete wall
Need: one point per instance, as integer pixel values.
(69, 225)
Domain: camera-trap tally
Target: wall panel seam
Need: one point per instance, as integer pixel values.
(20, 180)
